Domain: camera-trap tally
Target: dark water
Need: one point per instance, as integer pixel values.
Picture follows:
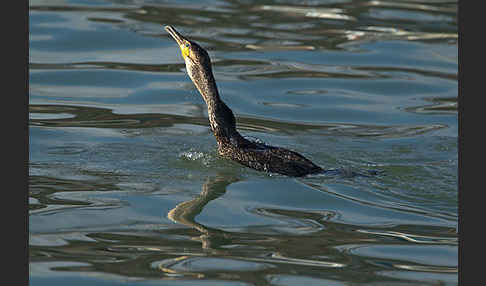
(125, 183)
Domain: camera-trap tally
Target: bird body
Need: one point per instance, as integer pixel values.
(231, 144)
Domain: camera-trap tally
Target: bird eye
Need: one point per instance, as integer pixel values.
(187, 45)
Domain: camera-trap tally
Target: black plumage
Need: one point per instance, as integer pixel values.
(231, 144)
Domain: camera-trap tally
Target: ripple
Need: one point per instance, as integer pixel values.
(433, 258)
(70, 149)
(57, 239)
(288, 279)
(185, 264)
(285, 105)
(419, 277)
(296, 222)
(427, 268)
(79, 91)
(49, 116)
(311, 12)
(414, 238)
(450, 7)
(440, 105)
(276, 257)
(391, 32)
(382, 131)
(86, 116)
(274, 47)
(294, 70)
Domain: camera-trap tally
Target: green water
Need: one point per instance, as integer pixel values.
(125, 184)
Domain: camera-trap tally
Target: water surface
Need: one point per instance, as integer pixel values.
(125, 184)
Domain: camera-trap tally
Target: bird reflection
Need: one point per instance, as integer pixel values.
(186, 212)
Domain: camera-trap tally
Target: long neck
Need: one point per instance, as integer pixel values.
(221, 117)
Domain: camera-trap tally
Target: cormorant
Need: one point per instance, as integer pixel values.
(231, 144)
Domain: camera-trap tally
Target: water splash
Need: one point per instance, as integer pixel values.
(192, 155)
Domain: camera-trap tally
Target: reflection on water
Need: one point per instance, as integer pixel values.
(185, 212)
(327, 242)
(125, 184)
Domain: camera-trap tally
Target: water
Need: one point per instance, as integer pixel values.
(125, 184)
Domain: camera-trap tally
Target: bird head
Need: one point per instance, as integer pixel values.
(198, 63)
